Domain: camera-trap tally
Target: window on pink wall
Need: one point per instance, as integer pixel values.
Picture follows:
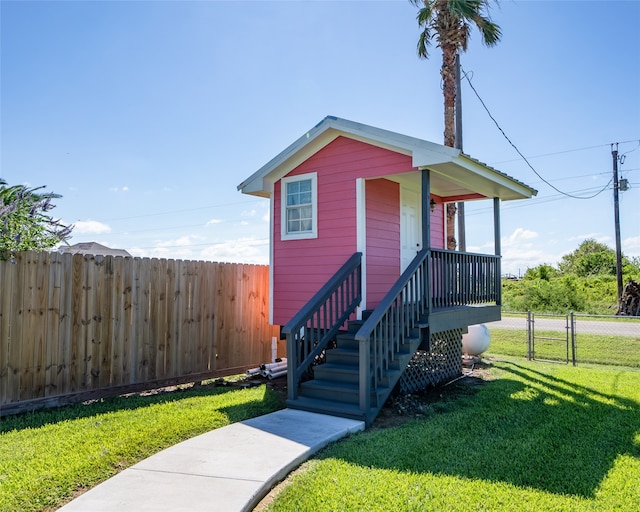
(299, 207)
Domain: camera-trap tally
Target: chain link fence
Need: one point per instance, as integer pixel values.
(570, 339)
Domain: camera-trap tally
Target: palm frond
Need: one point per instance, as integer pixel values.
(489, 30)
(465, 9)
(424, 41)
(424, 16)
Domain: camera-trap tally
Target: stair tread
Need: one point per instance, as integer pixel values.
(350, 352)
(349, 368)
(336, 387)
(329, 384)
(343, 350)
(320, 405)
(347, 387)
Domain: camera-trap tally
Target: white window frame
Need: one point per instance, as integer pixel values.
(284, 233)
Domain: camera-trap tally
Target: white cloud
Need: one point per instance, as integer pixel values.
(518, 236)
(522, 250)
(182, 248)
(249, 213)
(598, 237)
(242, 250)
(213, 221)
(119, 189)
(90, 227)
(183, 241)
(631, 246)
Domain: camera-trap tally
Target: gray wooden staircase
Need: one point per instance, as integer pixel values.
(437, 291)
(335, 388)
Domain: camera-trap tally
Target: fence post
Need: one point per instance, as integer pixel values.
(567, 329)
(529, 335)
(573, 339)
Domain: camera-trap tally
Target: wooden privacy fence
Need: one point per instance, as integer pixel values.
(72, 324)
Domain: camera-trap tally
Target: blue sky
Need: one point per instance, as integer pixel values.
(145, 116)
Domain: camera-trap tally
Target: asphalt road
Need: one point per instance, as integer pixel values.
(587, 325)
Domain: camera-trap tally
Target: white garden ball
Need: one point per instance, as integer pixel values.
(476, 341)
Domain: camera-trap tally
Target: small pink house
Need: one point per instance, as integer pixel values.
(358, 240)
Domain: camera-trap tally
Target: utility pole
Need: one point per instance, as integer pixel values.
(462, 240)
(616, 216)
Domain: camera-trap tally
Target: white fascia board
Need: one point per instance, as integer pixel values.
(325, 132)
(256, 181)
(499, 178)
(424, 156)
(285, 162)
(475, 176)
(422, 152)
(254, 188)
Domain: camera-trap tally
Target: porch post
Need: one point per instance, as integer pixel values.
(426, 208)
(496, 225)
(426, 242)
(498, 250)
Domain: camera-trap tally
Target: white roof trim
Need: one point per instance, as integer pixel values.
(424, 154)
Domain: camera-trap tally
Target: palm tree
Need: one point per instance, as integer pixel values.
(449, 22)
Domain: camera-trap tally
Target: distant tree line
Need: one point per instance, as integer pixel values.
(584, 281)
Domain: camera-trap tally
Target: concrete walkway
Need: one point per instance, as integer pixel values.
(229, 469)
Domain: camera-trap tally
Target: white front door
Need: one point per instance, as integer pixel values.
(410, 226)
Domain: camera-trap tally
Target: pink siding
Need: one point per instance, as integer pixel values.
(301, 267)
(383, 238)
(437, 225)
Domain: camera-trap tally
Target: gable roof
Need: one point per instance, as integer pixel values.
(453, 172)
(93, 248)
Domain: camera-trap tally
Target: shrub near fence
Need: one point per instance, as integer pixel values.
(74, 324)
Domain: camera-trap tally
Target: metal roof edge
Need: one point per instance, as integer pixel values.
(344, 126)
(532, 191)
(424, 153)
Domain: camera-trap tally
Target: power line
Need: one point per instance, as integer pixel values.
(568, 151)
(531, 202)
(183, 226)
(567, 178)
(466, 75)
(169, 212)
(255, 241)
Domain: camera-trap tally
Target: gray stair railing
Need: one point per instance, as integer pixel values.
(394, 320)
(318, 322)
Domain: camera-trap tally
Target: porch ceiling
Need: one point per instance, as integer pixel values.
(450, 181)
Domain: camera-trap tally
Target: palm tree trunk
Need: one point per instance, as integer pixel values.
(449, 89)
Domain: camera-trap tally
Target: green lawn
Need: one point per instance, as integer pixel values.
(538, 437)
(590, 348)
(47, 456)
